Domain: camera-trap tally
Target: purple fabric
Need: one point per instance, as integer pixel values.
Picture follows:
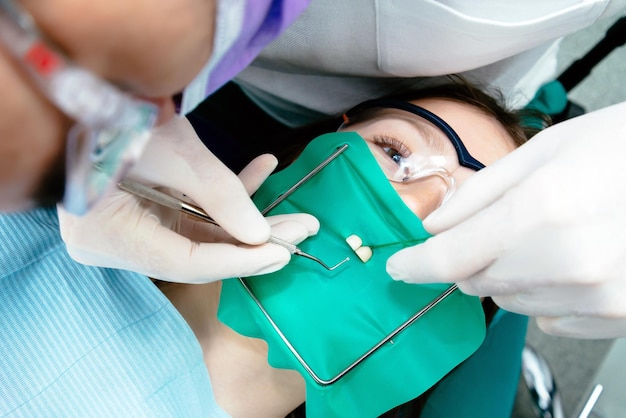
(263, 22)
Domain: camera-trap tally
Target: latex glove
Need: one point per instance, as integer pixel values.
(126, 232)
(542, 231)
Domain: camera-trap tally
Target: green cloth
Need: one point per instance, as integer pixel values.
(333, 317)
(550, 99)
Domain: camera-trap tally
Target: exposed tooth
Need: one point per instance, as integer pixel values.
(354, 241)
(364, 253)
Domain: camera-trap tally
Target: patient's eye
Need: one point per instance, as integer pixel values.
(393, 154)
(395, 149)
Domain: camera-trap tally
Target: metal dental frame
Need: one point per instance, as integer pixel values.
(192, 210)
(382, 342)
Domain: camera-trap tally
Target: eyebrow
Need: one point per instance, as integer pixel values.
(431, 134)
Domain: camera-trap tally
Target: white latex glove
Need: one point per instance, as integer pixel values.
(542, 231)
(127, 232)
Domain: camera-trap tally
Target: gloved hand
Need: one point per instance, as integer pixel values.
(542, 231)
(126, 232)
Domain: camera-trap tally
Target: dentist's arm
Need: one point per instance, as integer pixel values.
(542, 231)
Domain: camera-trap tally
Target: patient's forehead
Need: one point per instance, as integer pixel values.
(484, 136)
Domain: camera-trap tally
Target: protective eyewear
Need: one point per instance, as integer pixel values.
(112, 127)
(430, 139)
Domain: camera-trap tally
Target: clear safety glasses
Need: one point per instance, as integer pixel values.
(112, 127)
(422, 151)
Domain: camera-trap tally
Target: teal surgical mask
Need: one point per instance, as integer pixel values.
(336, 328)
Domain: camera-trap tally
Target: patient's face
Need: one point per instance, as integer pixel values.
(396, 136)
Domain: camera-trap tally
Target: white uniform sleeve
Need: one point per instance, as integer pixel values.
(340, 53)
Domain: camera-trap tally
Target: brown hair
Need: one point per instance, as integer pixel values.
(520, 124)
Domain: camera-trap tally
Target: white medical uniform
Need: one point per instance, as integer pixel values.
(339, 53)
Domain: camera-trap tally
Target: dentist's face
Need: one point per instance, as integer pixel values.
(152, 49)
(396, 136)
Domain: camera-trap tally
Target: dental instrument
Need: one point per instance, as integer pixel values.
(171, 202)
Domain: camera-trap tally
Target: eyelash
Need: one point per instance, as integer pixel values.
(391, 142)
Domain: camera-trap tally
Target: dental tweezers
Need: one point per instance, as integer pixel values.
(171, 202)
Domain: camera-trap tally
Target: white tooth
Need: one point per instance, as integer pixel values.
(354, 241)
(364, 253)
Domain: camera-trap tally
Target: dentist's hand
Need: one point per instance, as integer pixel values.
(127, 232)
(542, 231)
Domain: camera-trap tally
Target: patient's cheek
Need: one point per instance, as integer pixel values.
(420, 206)
(423, 195)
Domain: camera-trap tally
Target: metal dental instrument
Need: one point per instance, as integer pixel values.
(304, 179)
(171, 202)
(381, 343)
(293, 249)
